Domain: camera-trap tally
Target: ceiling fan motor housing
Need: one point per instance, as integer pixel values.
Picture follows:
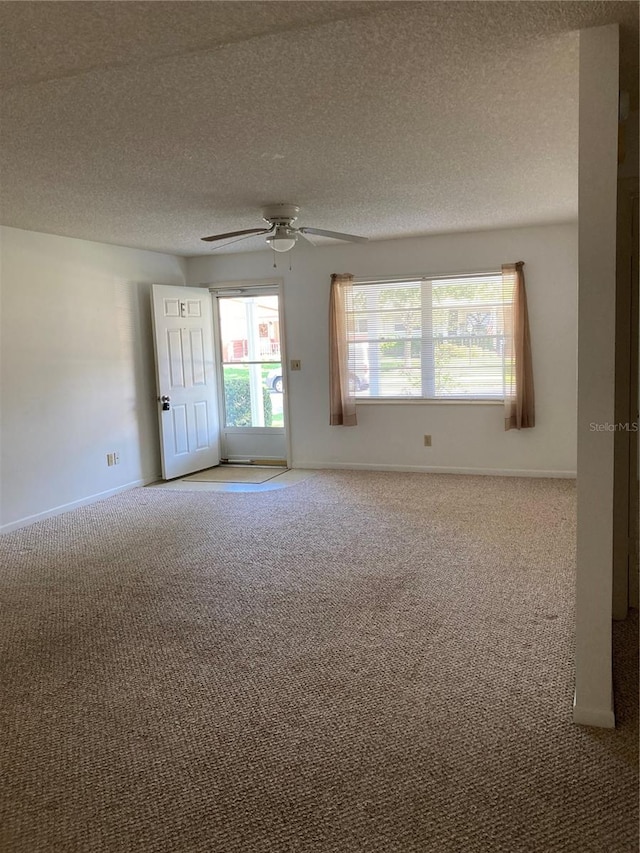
(280, 214)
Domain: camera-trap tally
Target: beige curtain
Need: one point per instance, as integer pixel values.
(519, 410)
(343, 403)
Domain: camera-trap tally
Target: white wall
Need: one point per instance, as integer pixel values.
(78, 377)
(77, 370)
(598, 118)
(468, 437)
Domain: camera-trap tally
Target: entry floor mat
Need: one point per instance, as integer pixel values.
(235, 474)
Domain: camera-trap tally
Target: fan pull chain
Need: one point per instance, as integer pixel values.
(275, 266)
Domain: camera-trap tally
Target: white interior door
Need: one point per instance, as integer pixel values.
(187, 397)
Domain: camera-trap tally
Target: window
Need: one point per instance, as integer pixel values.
(429, 338)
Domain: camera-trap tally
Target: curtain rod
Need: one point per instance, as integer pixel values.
(425, 276)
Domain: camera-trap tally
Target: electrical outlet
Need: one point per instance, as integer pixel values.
(427, 441)
(295, 364)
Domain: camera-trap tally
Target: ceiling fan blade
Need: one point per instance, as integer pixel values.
(320, 232)
(229, 242)
(246, 232)
(302, 234)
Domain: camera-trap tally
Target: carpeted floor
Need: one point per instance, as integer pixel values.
(360, 663)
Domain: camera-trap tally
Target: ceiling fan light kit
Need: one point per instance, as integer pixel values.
(281, 235)
(281, 242)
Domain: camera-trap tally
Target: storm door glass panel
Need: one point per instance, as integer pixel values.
(251, 362)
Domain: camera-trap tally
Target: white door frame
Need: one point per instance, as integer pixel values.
(251, 287)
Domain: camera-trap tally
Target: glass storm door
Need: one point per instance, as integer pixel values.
(251, 378)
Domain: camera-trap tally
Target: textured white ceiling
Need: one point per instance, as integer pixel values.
(152, 124)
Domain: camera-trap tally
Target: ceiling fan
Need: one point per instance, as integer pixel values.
(281, 233)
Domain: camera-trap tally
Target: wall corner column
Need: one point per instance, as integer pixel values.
(597, 191)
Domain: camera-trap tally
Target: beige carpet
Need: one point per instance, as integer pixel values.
(235, 474)
(360, 663)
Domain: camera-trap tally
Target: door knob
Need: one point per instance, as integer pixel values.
(166, 402)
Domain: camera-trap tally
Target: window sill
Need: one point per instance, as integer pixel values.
(402, 401)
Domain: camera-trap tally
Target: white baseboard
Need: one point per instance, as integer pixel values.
(603, 718)
(58, 510)
(430, 469)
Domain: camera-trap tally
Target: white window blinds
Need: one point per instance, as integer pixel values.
(432, 338)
